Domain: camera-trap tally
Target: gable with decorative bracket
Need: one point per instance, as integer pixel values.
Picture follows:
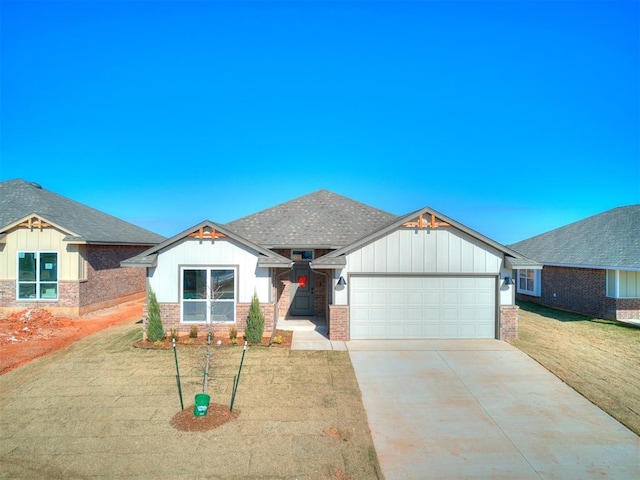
(34, 222)
(430, 222)
(206, 233)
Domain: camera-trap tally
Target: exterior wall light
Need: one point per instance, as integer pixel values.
(341, 281)
(508, 280)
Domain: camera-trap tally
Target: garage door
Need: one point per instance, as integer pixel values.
(422, 307)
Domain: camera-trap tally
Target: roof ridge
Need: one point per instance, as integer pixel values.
(301, 197)
(320, 219)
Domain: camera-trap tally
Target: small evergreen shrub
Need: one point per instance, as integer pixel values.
(278, 339)
(255, 321)
(155, 330)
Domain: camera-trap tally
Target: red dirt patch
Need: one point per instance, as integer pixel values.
(216, 415)
(332, 432)
(34, 332)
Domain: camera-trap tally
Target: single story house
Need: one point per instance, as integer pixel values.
(591, 266)
(58, 254)
(370, 273)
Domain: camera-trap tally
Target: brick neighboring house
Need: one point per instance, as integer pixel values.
(58, 254)
(369, 273)
(591, 266)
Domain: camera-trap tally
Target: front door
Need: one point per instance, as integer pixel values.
(302, 299)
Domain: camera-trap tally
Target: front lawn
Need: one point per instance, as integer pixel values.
(600, 359)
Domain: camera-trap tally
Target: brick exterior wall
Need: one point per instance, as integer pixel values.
(67, 303)
(170, 315)
(627, 308)
(338, 322)
(283, 292)
(320, 294)
(107, 284)
(322, 281)
(509, 316)
(582, 290)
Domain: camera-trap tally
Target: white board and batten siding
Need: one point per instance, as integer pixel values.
(165, 277)
(439, 283)
(442, 250)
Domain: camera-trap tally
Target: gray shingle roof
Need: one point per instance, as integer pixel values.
(321, 219)
(19, 199)
(336, 258)
(609, 239)
(148, 258)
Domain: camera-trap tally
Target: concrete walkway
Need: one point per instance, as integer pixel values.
(469, 409)
(309, 333)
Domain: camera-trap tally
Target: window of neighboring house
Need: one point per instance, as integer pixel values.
(623, 284)
(37, 276)
(529, 282)
(208, 295)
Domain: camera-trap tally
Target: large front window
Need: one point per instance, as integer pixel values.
(208, 295)
(37, 276)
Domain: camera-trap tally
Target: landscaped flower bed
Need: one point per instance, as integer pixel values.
(282, 338)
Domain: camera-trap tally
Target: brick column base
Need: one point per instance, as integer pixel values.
(338, 322)
(509, 315)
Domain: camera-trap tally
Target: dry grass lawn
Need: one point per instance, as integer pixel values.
(600, 359)
(102, 409)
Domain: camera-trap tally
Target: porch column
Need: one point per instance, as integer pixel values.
(338, 322)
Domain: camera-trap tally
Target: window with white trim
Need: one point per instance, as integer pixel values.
(208, 294)
(529, 282)
(37, 276)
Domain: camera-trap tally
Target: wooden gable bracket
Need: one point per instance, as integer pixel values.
(35, 222)
(424, 223)
(201, 234)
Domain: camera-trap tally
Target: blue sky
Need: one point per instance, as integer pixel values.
(511, 117)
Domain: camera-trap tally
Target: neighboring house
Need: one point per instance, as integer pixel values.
(371, 274)
(58, 254)
(591, 266)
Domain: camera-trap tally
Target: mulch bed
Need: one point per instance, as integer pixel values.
(216, 416)
(224, 341)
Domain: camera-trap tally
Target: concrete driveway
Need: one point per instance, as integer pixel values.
(445, 409)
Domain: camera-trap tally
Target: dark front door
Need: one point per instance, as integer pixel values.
(302, 301)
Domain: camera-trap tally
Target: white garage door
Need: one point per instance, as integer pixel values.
(422, 307)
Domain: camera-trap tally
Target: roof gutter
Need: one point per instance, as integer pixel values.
(595, 267)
